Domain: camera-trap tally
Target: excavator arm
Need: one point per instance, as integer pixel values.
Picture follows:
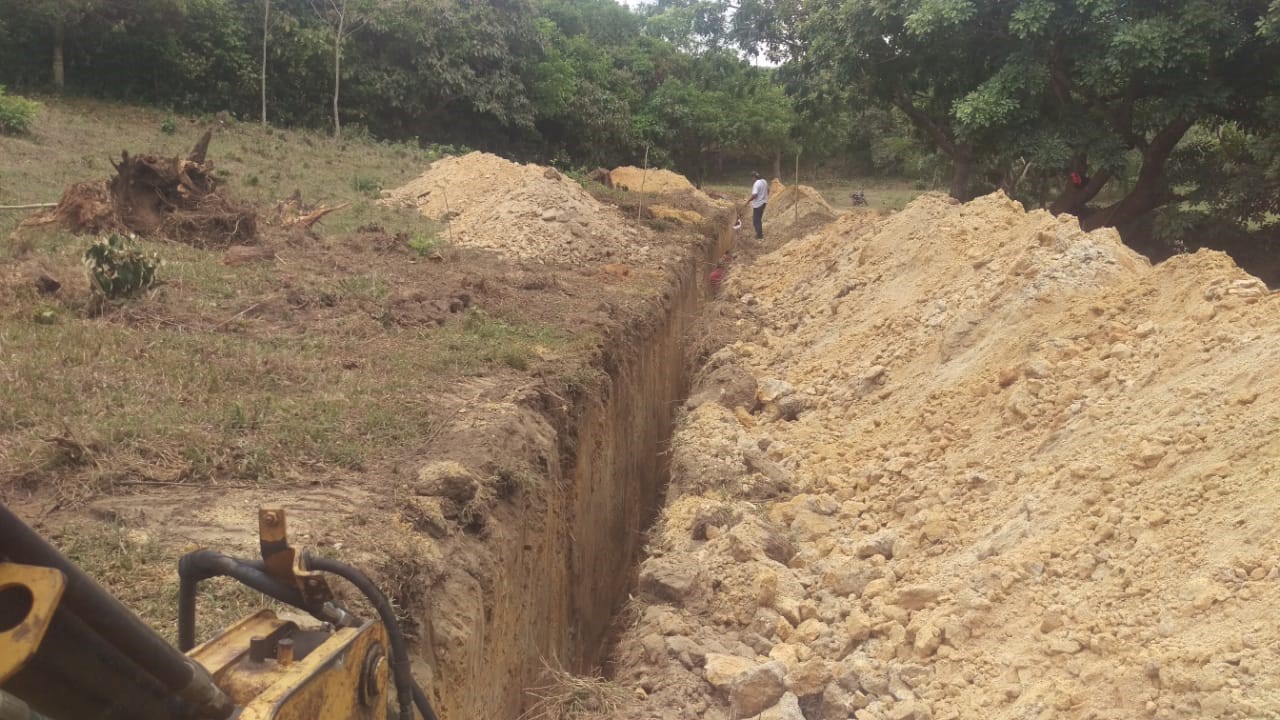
(71, 651)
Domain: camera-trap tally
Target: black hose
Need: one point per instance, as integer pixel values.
(407, 691)
(195, 567)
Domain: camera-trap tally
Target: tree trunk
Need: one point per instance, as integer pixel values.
(1150, 192)
(1074, 199)
(1152, 189)
(777, 164)
(337, 69)
(266, 16)
(59, 37)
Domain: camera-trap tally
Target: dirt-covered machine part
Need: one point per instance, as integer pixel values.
(69, 650)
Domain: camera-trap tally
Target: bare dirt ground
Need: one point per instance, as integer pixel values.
(968, 461)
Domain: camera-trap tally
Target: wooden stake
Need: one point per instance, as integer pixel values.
(797, 185)
(643, 176)
(448, 215)
(32, 206)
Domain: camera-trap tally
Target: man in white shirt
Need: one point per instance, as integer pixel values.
(759, 198)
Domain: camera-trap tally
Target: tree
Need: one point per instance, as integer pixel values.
(344, 17)
(693, 26)
(266, 19)
(1047, 88)
(56, 16)
(579, 101)
(717, 107)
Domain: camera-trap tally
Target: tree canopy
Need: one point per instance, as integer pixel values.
(573, 81)
(1123, 112)
(1056, 101)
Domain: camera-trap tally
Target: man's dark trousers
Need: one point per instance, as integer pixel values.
(757, 219)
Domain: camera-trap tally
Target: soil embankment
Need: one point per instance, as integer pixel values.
(969, 461)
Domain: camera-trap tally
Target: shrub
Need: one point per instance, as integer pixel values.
(117, 269)
(169, 125)
(16, 114)
(437, 151)
(425, 243)
(367, 186)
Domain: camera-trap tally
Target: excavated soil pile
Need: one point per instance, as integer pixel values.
(795, 210)
(526, 212)
(653, 180)
(971, 462)
(692, 206)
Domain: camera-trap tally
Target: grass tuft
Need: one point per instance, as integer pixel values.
(566, 696)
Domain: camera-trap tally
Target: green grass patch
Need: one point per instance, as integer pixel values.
(480, 342)
(250, 374)
(184, 404)
(76, 139)
(425, 243)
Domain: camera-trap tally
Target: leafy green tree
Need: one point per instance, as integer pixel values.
(266, 44)
(717, 108)
(446, 69)
(1048, 88)
(693, 26)
(581, 112)
(574, 81)
(343, 18)
(53, 17)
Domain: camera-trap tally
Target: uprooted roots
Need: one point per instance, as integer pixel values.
(213, 222)
(150, 195)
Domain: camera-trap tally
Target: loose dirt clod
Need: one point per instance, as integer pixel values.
(1034, 478)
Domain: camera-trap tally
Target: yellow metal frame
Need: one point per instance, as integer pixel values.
(342, 679)
(19, 643)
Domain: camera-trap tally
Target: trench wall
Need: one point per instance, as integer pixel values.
(559, 562)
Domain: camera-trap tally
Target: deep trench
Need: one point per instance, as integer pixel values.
(564, 565)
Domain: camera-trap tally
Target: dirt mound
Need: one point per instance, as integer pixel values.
(522, 211)
(149, 195)
(653, 180)
(697, 201)
(999, 468)
(795, 210)
(667, 212)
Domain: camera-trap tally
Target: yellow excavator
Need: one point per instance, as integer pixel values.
(71, 651)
